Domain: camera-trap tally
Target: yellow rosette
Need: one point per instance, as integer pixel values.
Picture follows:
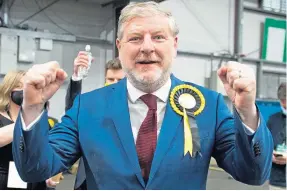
(187, 100)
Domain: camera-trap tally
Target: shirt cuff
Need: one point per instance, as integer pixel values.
(31, 124)
(248, 130)
(76, 78)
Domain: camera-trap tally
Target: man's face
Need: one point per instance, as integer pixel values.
(113, 76)
(283, 103)
(147, 48)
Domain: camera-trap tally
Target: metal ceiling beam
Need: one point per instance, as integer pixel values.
(108, 3)
(264, 12)
(38, 34)
(116, 3)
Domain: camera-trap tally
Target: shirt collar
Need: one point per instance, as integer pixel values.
(162, 93)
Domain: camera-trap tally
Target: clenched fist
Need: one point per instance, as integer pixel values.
(40, 84)
(240, 85)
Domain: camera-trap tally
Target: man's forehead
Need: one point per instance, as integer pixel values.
(114, 71)
(139, 29)
(151, 24)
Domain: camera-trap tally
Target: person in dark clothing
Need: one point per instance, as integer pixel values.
(277, 126)
(113, 73)
(52, 121)
(11, 97)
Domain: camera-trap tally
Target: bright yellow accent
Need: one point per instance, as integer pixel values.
(187, 135)
(188, 146)
(172, 103)
(51, 122)
(107, 84)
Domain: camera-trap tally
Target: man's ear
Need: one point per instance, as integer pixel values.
(175, 46)
(176, 42)
(118, 44)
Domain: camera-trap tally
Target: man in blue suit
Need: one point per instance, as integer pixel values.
(150, 130)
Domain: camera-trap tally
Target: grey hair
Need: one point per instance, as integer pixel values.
(144, 9)
(281, 93)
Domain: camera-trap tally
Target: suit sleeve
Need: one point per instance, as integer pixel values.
(74, 89)
(39, 153)
(248, 158)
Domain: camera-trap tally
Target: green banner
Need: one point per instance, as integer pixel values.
(274, 40)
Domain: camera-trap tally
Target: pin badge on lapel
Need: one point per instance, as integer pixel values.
(188, 102)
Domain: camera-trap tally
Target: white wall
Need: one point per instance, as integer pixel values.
(190, 69)
(203, 24)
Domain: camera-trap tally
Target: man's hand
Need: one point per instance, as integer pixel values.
(51, 184)
(82, 60)
(40, 84)
(279, 160)
(240, 85)
(55, 180)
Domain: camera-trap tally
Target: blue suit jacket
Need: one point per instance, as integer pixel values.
(74, 89)
(98, 128)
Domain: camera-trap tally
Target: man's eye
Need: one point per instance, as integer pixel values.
(135, 39)
(159, 37)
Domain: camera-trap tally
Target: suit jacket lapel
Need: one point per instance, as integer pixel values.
(121, 118)
(169, 127)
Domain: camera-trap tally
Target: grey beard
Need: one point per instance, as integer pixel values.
(148, 87)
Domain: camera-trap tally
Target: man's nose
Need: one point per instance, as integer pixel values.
(147, 46)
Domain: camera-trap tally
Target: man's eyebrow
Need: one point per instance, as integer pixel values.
(158, 31)
(133, 33)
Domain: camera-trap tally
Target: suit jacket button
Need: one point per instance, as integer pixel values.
(21, 147)
(257, 152)
(256, 147)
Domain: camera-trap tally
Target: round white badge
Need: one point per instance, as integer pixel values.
(187, 101)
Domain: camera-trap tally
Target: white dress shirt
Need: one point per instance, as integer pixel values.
(138, 109)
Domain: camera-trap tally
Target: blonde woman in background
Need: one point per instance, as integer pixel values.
(11, 97)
